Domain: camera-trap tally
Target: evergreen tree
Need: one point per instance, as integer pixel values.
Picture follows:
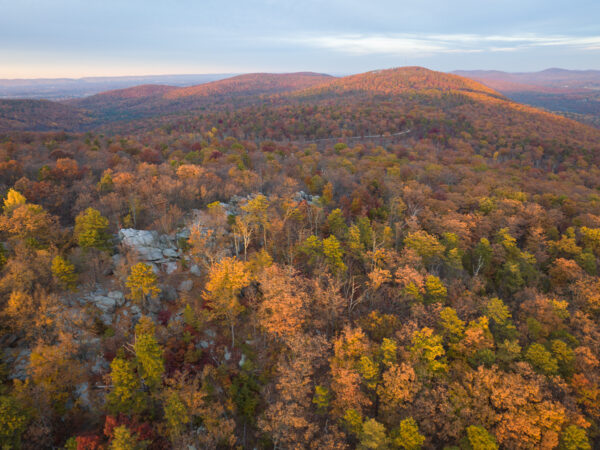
(334, 253)
(126, 395)
(142, 283)
(176, 415)
(148, 353)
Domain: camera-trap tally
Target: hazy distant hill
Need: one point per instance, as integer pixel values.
(152, 100)
(252, 84)
(550, 80)
(63, 88)
(574, 93)
(155, 101)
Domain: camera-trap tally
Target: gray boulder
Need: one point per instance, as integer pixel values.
(151, 247)
(170, 267)
(185, 286)
(104, 303)
(171, 253)
(118, 297)
(138, 238)
(19, 359)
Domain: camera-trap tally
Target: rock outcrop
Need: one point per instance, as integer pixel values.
(159, 250)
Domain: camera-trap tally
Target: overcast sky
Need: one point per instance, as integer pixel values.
(74, 38)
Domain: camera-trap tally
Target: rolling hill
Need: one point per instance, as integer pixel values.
(159, 100)
(401, 80)
(40, 115)
(396, 94)
(432, 105)
(252, 84)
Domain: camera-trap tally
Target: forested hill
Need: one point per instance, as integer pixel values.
(149, 106)
(256, 83)
(401, 80)
(40, 115)
(161, 101)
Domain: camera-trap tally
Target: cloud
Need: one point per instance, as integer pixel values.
(427, 45)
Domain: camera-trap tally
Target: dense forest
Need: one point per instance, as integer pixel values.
(402, 259)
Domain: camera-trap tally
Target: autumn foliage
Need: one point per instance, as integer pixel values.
(434, 289)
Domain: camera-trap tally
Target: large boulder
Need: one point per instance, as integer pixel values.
(117, 296)
(105, 302)
(151, 246)
(138, 238)
(302, 196)
(171, 253)
(170, 267)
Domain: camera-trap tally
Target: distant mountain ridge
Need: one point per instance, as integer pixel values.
(152, 100)
(159, 104)
(64, 88)
(549, 80)
(252, 84)
(399, 80)
(572, 93)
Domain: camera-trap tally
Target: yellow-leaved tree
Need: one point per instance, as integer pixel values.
(226, 280)
(13, 199)
(142, 283)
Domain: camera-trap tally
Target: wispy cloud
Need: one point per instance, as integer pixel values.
(412, 44)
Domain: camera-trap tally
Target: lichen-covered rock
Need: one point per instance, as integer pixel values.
(195, 270)
(18, 358)
(170, 267)
(100, 365)
(185, 286)
(171, 253)
(168, 293)
(153, 248)
(138, 238)
(302, 196)
(118, 297)
(136, 312)
(104, 303)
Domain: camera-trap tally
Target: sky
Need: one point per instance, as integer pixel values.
(78, 38)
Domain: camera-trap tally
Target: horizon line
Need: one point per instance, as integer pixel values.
(278, 72)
